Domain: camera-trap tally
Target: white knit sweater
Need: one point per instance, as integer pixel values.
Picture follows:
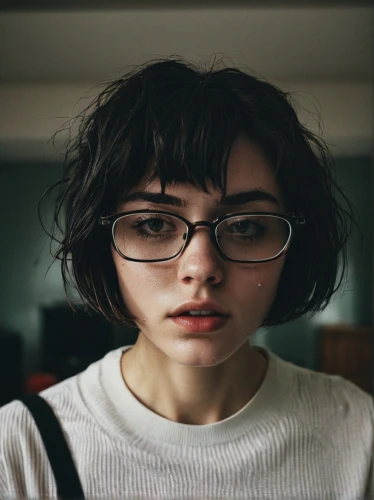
(303, 436)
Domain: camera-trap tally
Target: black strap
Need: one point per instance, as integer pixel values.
(66, 476)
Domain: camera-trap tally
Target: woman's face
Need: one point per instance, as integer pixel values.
(245, 292)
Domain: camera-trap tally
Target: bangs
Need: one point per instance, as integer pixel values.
(182, 135)
(193, 145)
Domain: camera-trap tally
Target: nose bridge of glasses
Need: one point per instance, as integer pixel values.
(201, 223)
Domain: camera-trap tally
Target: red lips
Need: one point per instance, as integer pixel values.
(203, 305)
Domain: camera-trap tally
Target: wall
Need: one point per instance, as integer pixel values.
(31, 114)
(25, 258)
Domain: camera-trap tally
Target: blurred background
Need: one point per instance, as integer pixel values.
(53, 56)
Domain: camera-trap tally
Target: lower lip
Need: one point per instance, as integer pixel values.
(196, 324)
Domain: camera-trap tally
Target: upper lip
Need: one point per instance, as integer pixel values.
(205, 305)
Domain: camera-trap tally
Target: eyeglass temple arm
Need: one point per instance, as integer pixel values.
(103, 221)
(299, 220)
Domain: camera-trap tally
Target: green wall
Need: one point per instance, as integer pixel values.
(24, 252)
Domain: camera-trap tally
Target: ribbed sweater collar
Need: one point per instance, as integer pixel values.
(121, 414)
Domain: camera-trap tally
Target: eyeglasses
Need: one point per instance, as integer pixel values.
(156, 236)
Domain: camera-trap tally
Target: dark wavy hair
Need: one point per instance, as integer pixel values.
(178, 121)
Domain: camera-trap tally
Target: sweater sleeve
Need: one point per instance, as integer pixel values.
(3, 486)
(369, 494)
(13, 422)
(370, 486)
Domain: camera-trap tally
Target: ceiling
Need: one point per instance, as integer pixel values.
(48, 5)
(277, 40)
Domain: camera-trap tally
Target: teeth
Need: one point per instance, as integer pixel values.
(201, 313)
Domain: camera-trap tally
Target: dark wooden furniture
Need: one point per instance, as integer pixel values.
(347, 350)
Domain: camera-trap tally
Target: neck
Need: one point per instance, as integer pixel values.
(192, 395)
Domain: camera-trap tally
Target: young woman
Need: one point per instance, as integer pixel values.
(199, 209)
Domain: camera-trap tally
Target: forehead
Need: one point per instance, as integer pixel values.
(248, 168)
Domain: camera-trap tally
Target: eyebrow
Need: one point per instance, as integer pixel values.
(230, 200)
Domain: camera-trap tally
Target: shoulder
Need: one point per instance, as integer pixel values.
(19, 436)
(331, 402)
(64, 398)
(24, 466)
(304, 388)
(332, 390)
(23, 461)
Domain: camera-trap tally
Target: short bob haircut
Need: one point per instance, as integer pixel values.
(177, 122)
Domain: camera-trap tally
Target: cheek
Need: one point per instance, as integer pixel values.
(141, 285)
(268, 274)
(258, 284)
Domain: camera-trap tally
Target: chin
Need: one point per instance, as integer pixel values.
(200, 352)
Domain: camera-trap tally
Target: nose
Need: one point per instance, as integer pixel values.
(200, 261)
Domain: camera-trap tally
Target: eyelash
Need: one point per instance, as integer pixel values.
(143, 234)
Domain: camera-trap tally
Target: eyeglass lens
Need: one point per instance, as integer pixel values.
(153, 236)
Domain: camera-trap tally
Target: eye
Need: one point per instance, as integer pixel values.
(245, 227)
(155, 224)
